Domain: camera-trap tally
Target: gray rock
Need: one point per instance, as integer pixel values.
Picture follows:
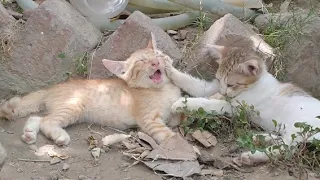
(53, 28)
(227, 31)
(132, 35)
(5, 17)
(3, 156)
(300, 54)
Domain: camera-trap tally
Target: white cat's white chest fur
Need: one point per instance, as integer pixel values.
(287, 110)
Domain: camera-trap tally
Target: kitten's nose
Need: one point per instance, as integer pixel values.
(155, 63)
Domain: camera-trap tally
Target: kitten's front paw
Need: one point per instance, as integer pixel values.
(60, 137)
(29, 136)
(178, 104)
(244, 159)
(31, 129)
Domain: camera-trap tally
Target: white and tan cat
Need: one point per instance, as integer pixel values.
(242, 75)
(142, 95)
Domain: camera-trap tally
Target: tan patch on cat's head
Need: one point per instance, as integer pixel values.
(145, 68)
(239, 68)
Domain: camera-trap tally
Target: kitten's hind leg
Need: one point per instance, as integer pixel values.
(53, 124)
(31, 129)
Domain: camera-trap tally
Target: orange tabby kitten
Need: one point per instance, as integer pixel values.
(142, 95)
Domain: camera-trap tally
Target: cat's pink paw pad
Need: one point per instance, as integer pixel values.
(29, 137)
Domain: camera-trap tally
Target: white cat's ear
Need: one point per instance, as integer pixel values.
(115, 67)
(152, 42)
(250, 68)
(217, 52)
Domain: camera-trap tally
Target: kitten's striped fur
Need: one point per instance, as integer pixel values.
(142, 95)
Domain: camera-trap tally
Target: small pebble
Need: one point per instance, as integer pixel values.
(55, 160)
(176, 37)
(65, 166)
(19, 170)
(172, 32)
(83, 177)
(183, 34)
(33, 147)
(96, 153)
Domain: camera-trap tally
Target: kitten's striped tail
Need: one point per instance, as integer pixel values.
(21, 106)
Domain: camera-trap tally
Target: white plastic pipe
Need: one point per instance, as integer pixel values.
(27, 4)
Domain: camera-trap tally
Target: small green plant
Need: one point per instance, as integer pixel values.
(81, 63)
(278, 33)
(218, 124)
(201, 120)
(62, 55)
(300, 156)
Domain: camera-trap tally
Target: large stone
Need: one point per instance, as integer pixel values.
(132, 35)
(54, 28)
(227, 31)
(5, 17)
(301, 54)
(3, 156)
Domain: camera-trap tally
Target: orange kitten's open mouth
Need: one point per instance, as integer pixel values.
(156, 77)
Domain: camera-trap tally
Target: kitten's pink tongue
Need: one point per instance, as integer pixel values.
(156, 77)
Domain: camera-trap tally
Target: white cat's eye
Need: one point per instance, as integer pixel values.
(229, 85)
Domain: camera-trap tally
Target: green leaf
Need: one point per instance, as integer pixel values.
(62, 55)
(275, 123)
(293, 136)
(318, 117)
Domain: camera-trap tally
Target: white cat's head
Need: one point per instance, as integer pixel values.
(145, 68)
(239, 68)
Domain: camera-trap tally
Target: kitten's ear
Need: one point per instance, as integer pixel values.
(217, 52)
(152, 42)
(250, 68)
(115, 67)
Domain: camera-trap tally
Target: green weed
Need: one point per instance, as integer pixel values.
(81, 63)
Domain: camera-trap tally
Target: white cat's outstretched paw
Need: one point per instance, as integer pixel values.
(179, 103)
(244, 159)
(249, 159)
(60, 137)
(31, 129)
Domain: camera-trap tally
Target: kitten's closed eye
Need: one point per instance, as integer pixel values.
(230, 85)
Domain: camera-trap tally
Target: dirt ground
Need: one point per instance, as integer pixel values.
(80, 160)
(110, 166)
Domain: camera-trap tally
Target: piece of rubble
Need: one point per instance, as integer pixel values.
(213, 172)
(43, 150)
(65, 166)
(83, 177)
(3, 156)
(205, 138)
(172, 32)
(183, 34)
(226, 31)
(55, 160)
(53, 28)
(95, 152)
(176, 169)
(132, 35)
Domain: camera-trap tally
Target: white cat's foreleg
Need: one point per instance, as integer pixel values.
(250, 159)
(31, 129)
(220, 106)
(193, 86)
